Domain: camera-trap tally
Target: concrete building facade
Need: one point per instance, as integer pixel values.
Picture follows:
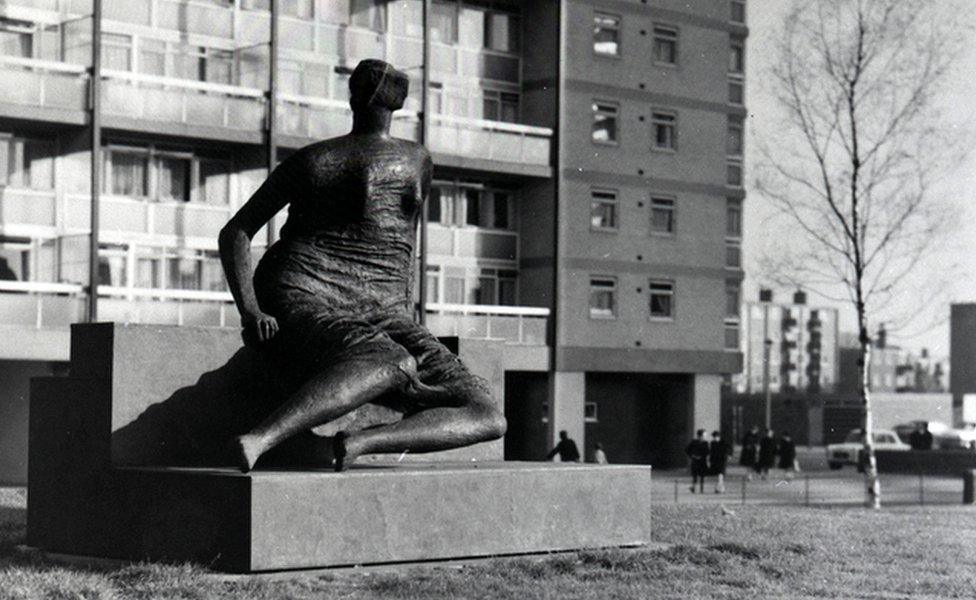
(586, 208)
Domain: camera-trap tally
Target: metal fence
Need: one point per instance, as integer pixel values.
(811, 490)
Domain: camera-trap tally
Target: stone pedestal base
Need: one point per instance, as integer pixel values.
(275, 520)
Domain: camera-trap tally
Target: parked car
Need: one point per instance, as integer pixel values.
(849, 452)
(956, 438)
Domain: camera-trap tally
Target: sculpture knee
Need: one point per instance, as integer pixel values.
(491, 422)
(407, 365)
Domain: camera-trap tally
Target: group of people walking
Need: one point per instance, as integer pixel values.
(761, 453)
(708, 458)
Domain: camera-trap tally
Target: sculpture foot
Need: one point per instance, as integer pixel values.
(247, 452)
(340, 451)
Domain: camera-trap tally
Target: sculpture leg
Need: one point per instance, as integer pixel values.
(471, 420)
(341, 388)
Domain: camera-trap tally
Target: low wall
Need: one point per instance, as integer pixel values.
(926, 462)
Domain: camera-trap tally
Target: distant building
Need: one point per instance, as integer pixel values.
(803, 348)
(892, 368)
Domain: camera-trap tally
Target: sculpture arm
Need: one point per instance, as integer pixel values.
(234, 243)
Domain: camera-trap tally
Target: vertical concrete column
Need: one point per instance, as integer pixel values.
(705, 406)
(567, 394)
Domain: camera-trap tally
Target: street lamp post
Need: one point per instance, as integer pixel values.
(766, 298)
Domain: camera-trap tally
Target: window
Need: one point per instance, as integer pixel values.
(733, 218)
(432, 282)
(369, 14)
(15, 41)
(734, 173)
(501, 32)
(434, 211)
(733, 145)
(665, 44)
(735, 92)
(665, 137)
(662, 299)
(172, 178)
(300, 9)
(663, 216)
(485, 208)
(111, 265)
(736, 57)
(605, 123)
(603, 298)
(27, 163)
(733, 298)
(214, 187)
(603, 209)
(496, 287)
(731, 336)
(738, 10)
(116, 52)
(590, 412)
(443, 22)
(454, 290)
(733, 256)
(127, 174)
(606, 35)
(152, 57)
(500, 106)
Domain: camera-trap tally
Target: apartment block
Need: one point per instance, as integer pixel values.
(586, 208)
(804, 349)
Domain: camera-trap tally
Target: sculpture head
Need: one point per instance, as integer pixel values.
(376, 84)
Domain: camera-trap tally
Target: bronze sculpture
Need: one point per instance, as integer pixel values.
(330, 301)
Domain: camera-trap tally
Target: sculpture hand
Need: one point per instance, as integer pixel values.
(259, 327)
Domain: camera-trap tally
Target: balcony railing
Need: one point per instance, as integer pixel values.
(492, 140)
(319, 118)
(43, 83)
(25, 207)
(53, 305)
(514, 324)
(127, 215)
(168, 99)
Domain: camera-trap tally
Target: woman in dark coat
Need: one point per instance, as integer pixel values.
(787, 454)
(750, 444)
(767, 453)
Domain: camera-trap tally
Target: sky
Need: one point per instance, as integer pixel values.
(930, 329)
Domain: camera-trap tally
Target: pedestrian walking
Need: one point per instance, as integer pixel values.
(767, 454)
(697, 451)
(750, 449)
(566, 449)
(599, 456)
(787, 456)
(718, 456)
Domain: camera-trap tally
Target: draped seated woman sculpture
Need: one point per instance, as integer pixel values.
(330, 301)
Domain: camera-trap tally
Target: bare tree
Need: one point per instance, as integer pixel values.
(854, 163)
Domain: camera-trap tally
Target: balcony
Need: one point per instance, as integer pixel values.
(523, 325)
(129, 216)
(472, 242)
(57, 305)
(23, 211)
(196, 104)
(320, 118)
(490, 140)
(44, 84)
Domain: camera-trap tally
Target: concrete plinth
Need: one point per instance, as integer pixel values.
(274, 520)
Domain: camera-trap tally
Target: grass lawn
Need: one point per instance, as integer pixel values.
(758, 552)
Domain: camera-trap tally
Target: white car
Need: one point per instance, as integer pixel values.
(848, 452)
(956, 438)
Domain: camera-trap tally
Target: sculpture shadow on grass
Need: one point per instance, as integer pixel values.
(195, 424)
